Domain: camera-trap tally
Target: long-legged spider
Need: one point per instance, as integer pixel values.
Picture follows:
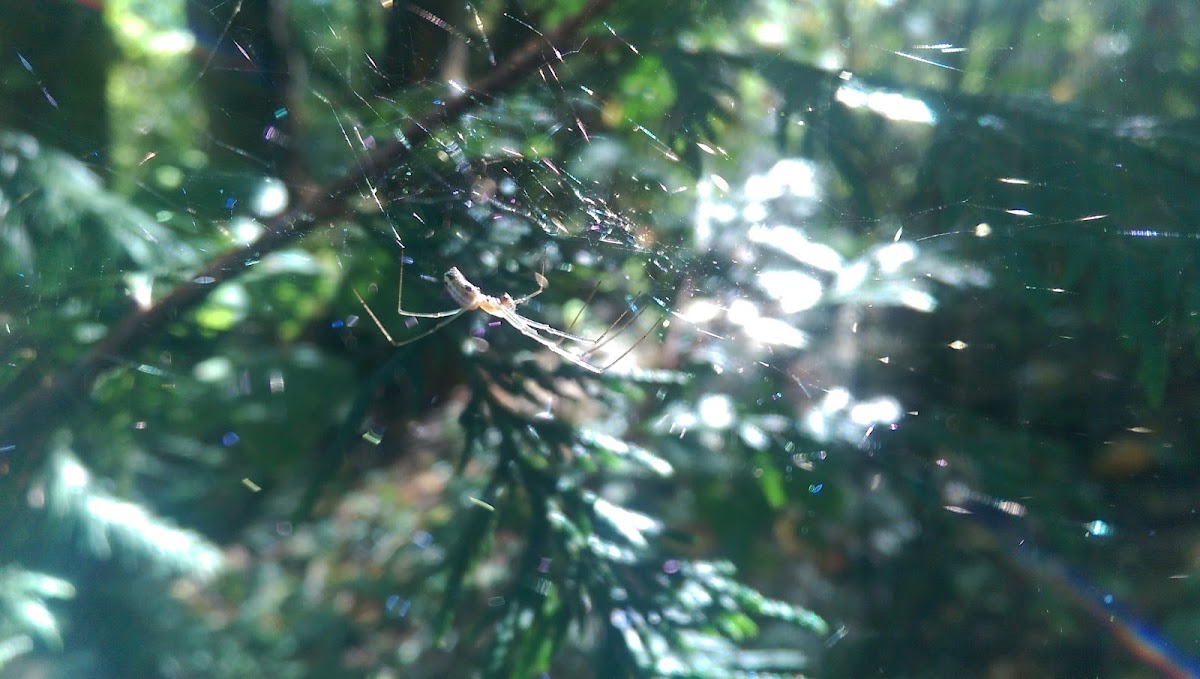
(469, 297)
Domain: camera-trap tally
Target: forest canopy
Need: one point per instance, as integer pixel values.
(600, 338)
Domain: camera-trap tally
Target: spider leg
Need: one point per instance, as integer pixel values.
(572, 357)
(578, 359)
(614, 330)
(555, 331)
(414, 314)
(586, 303)
(449, 317)
(634, 345)
(617, 328)
(432, 330)
(438, 314)
(522, 326)
(542, 284)
(598, 342)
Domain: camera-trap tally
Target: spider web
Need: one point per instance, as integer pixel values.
(818, 252)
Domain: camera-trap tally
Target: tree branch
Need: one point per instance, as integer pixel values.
(40, 411)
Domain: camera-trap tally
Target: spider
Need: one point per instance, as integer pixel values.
(469, 297)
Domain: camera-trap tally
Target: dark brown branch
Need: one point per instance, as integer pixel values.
(28, 421)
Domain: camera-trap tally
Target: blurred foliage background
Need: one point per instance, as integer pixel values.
(891, 369)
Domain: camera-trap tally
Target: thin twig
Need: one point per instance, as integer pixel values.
(39, 412)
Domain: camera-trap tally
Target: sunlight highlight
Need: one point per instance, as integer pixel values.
(892, 257)
(839, 416)
(716, 411)
(792, 242)
(891, 105)
(790, 176)
(794, 290)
